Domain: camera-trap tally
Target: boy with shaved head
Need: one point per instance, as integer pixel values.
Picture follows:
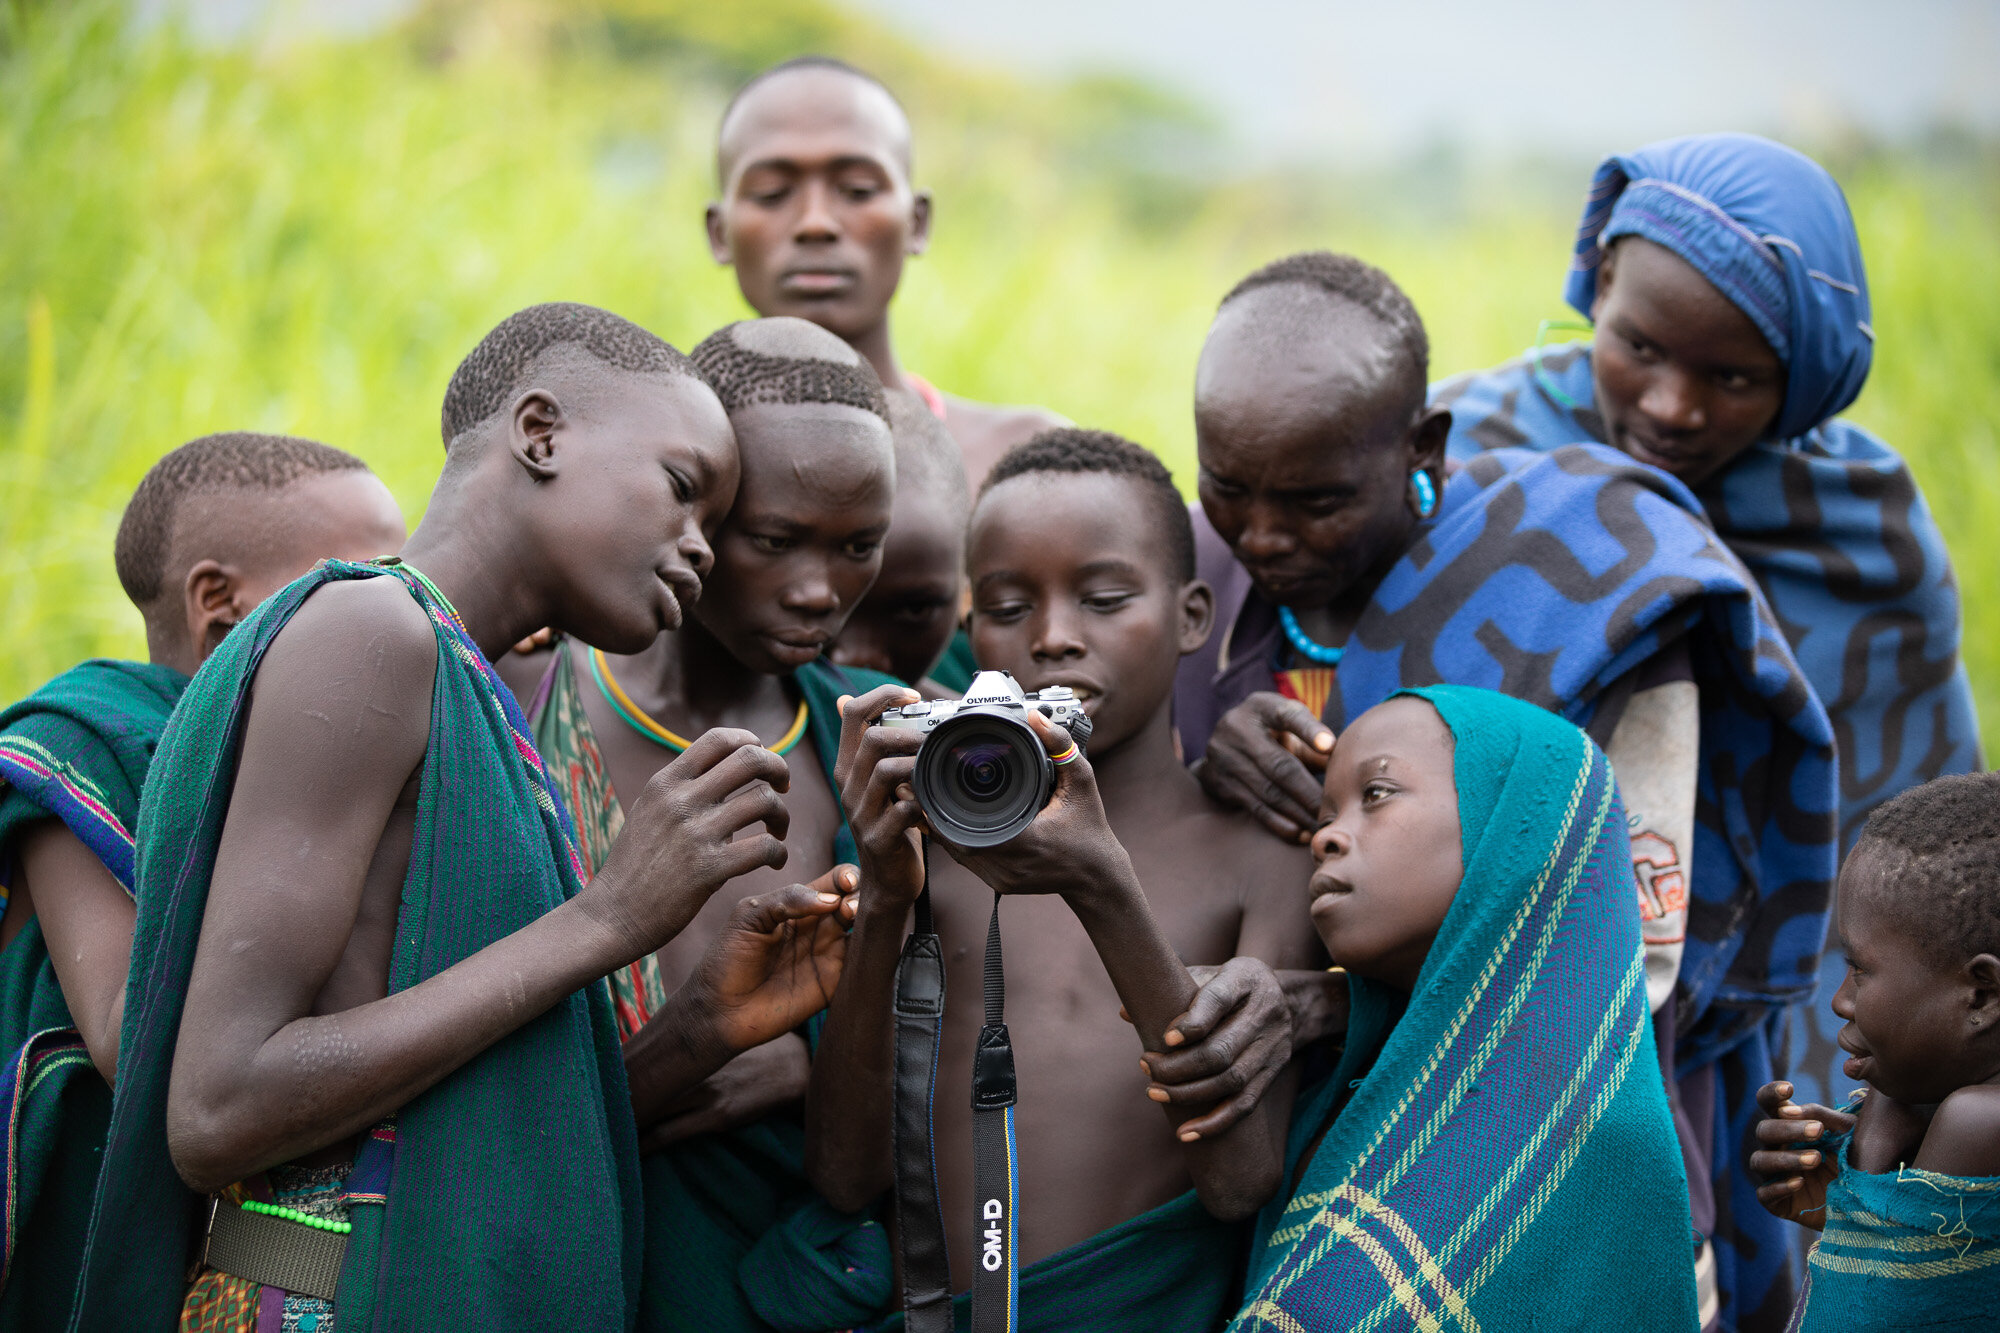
(793, 557)
(1082, 569)
(817, 214)
(215, 527)
(359, 898)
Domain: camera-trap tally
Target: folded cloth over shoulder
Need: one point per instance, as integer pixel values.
(514, 1189)
(76, 750)
(1904, 1249)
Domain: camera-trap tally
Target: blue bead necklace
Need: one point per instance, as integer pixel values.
(1317, 653)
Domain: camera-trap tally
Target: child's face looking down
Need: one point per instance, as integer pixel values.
(645, 469)
(817, 212)
(1907, 1032)
(1387, 846)
(908, 616)
(1685, 381)
(804, 540)
(1306, 445)
(1071, 586)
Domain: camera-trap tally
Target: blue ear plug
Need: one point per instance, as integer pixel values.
(1427, 496)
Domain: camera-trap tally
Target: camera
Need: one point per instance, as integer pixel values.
(982, 775)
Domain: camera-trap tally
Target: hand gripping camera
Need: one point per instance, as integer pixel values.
(982, 775)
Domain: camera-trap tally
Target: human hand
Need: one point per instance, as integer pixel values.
(679, 844)
(1318, 1001)
(873, 770)
(1265, 757)
(757, 1082)
(1235, 1037)
(1795, 1169)
(1069, 847)
(535, 642)
(775, 964)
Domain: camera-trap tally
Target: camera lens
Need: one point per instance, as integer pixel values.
(979, 771)
(981, 778)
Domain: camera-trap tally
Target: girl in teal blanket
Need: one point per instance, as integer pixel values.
(1499, 1096)
(1906, 1184)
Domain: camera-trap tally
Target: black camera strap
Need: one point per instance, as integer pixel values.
(919, 1009)
(996, 1177)
(919, 1013)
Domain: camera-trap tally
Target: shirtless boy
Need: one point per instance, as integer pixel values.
(1082, 572)
(795, 553)
(907, 625)
(215, 527)
(359, 902)
(1919, 924)
(817, 215)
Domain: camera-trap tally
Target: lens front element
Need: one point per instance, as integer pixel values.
(981, 778)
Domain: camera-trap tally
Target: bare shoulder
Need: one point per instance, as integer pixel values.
(1964, 1134)
(985, 431)
(355, 665)
(1232, 839)
(350, 624)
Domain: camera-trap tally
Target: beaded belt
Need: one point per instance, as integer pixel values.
(277, 1247)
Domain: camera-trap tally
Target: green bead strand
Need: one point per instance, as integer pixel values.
(294, 1215)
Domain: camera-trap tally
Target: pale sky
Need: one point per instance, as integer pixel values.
(1365, 80)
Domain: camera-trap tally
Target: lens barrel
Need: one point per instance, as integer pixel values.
(981, 777)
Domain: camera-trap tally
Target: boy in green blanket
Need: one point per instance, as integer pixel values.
(797, 551)
(907, 625)
(1082, 568)
(360, 900)
(214, 528)
(1905, 1188)
(817, 216)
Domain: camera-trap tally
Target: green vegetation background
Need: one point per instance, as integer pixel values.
(306, 236)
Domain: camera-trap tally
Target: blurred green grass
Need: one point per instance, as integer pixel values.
(306, 236)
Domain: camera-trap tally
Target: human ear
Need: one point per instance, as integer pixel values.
(209, 598)
(1426, 444)
(1197, 615)
(920, 223)
(718, 234)
(532, 439)
(1983, 1003)
(1428, 434)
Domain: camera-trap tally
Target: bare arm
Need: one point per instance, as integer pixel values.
(850, 1102)
(1654, 751)
(1963, 1138)
(339, 722)
(87, 919)
(1070, 849)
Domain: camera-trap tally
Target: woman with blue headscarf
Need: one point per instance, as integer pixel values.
(1724, 279)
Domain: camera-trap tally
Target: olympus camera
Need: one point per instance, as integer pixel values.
(982, 775)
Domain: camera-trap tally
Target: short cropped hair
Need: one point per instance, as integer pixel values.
(489, 377)
(1948, 888)
(804, 62)
(927, 458)
(237, 460)
(786, 360)
(1071, 449)
(1348, 279)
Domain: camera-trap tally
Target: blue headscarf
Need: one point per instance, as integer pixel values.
(1771, 229)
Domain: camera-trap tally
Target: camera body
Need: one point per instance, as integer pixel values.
(981, 774)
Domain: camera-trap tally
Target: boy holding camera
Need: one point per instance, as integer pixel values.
(1081, 563)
